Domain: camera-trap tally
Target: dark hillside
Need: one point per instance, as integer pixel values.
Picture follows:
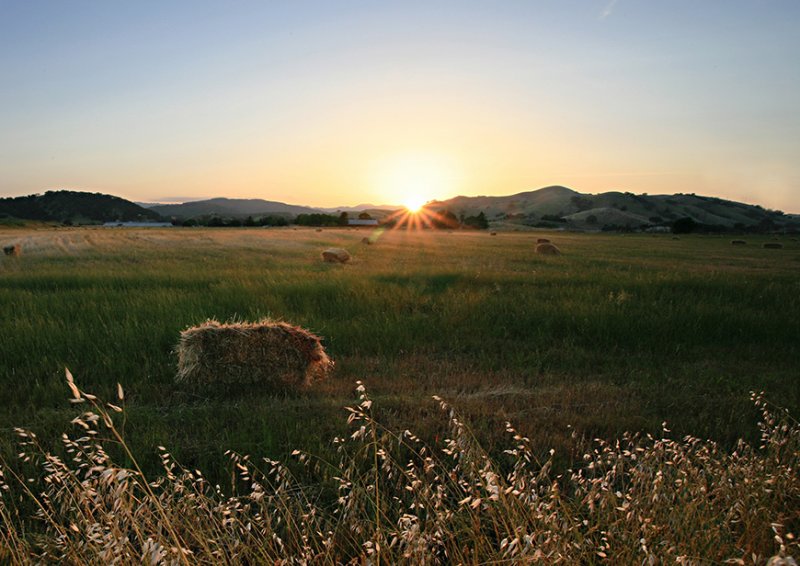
(232, 208)
(74, 207)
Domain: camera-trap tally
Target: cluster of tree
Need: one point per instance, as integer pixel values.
(442, 220)
(478, 222)
(765, 226)
(213, 221)
(447, 220)
(318, 219)
(687, 225)
(547, 221)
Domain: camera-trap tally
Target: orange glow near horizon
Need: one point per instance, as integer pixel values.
(413, 179)
(414, 203)
(421, 218)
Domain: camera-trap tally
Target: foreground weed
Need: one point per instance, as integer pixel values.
(390, 498)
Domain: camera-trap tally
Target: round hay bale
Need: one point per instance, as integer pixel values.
(14, 250)
(493, 234)
(366, 241)
(265, 353)
(773, 245)
(336, 255)
(542, 241)
(318, 230)
(547, 248)
(738, 243)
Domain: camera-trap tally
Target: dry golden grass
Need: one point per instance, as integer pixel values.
(392, 499)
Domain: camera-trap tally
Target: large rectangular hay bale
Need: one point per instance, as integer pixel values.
(265, 352)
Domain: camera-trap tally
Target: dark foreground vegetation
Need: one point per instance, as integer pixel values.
(389, 497)
(620, 333)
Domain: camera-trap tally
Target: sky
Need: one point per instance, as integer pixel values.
(337, 103)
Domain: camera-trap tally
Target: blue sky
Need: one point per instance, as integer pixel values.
(329, 103)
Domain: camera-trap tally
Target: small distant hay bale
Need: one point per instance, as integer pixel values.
(264, 353)
(336, 255)
(14, 250)
(542, 241)
(318, 230)
(773, 246)
(738, 243)
(366, 241)
(494, 233)
(547, 248)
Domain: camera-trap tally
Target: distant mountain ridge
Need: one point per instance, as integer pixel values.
(363, 207)
(75, 207)
(554, 206)
(231, 207)
(572, 209)
(241, 208)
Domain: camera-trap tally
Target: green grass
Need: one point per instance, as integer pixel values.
(619, 333)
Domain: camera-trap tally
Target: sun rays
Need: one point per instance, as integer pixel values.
(422, 218)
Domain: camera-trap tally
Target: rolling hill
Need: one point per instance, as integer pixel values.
(572, 209)
(554, 206)
(241, 208)
(74, 207)
(234, 208)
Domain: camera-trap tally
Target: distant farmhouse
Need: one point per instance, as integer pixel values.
(362, 222)
(138, 224)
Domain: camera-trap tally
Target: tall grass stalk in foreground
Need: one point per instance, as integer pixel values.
(391, 498)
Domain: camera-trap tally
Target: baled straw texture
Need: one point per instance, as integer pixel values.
(547, 249)
(265, 352)
(336, 255)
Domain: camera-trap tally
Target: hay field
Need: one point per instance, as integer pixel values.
(621, 332)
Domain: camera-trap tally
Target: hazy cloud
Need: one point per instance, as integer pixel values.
(608, 9)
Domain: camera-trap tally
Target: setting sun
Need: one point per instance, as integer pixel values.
(414, 203)
(413, 179)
